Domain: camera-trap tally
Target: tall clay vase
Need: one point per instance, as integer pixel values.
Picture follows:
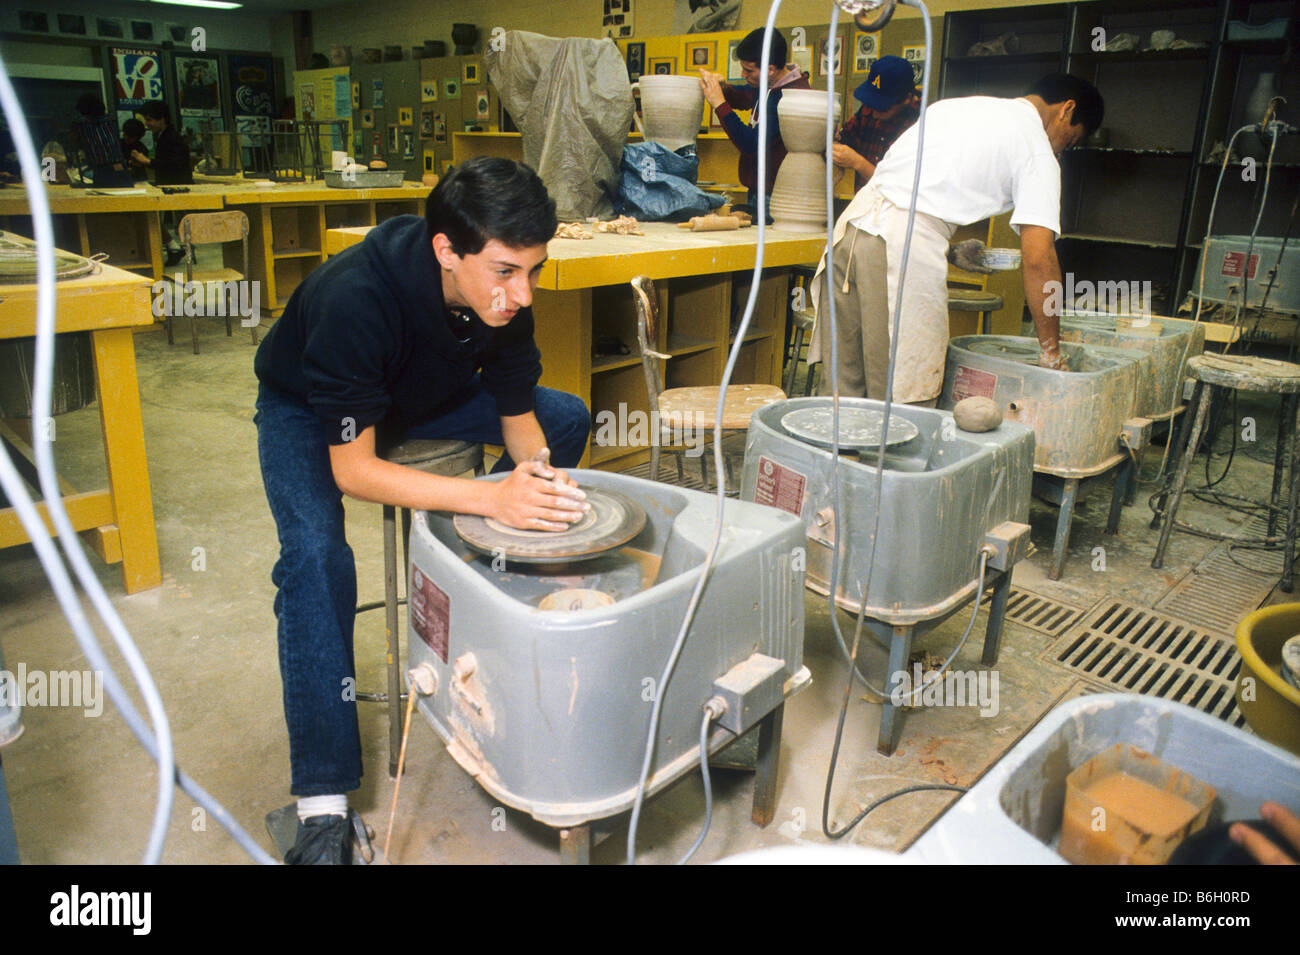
(671, 109)
(798, 202)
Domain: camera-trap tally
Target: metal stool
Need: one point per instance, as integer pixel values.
(1245, 373)
(975, 300)
(450, 459)
(803, 320)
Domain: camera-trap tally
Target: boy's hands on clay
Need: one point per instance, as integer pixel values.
(539, 497)
(711, 84)
(1051, 357)
(1264, 851)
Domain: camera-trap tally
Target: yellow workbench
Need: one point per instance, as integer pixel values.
(116, 522)
(286, 222)
(583, 296)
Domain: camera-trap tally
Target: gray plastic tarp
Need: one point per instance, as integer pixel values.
(572, 102)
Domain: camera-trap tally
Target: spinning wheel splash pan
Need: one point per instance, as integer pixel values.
(613, 520)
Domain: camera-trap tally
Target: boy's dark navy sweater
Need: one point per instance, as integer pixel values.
(368, 336)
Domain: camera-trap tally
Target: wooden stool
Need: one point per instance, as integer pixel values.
(450, 459)
(974, 300)
(1245, 373)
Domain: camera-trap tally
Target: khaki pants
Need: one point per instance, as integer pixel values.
(863, 277)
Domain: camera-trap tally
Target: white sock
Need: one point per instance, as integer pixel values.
(335, 805)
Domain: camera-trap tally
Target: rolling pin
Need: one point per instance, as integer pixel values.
(710, 223)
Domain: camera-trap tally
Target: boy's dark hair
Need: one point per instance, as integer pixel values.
(750, 49)
(88, 104)
(133, 128)
(488, 198)
(156, 109)
(1089, 107)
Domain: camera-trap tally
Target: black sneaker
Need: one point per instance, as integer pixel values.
(322, 840)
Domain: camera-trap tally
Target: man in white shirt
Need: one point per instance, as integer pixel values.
(983, 156)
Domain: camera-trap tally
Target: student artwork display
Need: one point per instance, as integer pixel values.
(377, 94)
(252, 98)
(393, 138)
(734, 74)
(701, 56)
(198, 91)
(617, 20)
(428, 91)
(865, 51)
(356, 95)
(440, 128)
(367, 119)
(426, 124)
(470, 74)
(451, 88)
(481, 106)
(916, 56)
(405, 116)
(832, 55)
(635, 61)
(408, 144)
(663, 66)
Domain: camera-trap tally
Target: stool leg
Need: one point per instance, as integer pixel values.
(1176, 440)
(1180, 481)
(1279, 458)
(891, 716)
(390, 613)
(1288, 573)
(575, 845)
(1063, 520)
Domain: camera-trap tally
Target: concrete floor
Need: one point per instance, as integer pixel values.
(82, 789)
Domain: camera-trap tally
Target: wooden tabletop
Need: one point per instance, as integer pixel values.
(665, 251)
(205, 193)
(111, 298)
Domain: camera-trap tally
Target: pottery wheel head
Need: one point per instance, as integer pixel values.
(612, 521)
(859, 427)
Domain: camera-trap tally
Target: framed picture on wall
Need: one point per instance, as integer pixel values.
(177, 33)
(356, 95)
(393, 138)
(451, 88)
(702, 56)
(470, 73)
(916, 56)
(866, 47)
(428, 91)
(663, 65)
(635, 61)
(481, 106)
(734, 74)
(405, 115)
(142, 30)
(426, 124)
(34, 21)
(832, 55)
(109, 28)
(367, 119)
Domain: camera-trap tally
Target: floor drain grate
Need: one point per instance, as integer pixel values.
(1040, 613)
(1134, 650)
(1226, 585)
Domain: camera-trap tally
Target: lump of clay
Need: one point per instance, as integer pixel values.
(977, 414)
(378, 164)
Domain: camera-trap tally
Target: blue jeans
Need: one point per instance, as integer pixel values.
(316, 578)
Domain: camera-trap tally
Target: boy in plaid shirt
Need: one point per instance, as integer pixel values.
(890, 105)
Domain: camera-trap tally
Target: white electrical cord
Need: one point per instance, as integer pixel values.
(661, 688)
(159, 745)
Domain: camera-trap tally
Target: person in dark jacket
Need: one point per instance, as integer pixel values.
(424, 330)
(133, 141)
(171, 157)
(725, 99)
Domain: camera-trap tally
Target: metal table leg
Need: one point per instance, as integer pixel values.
(1124, 477)
(575, 845)
(1069, 495)
(1290, 419)
(390, 625)
(997, 616)
(1279, 458)
(891, 716)
(1180, 481)
(769, 760)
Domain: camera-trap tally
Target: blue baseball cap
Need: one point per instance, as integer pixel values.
(888, 83)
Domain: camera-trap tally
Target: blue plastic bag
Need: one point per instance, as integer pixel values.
(658, 185)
